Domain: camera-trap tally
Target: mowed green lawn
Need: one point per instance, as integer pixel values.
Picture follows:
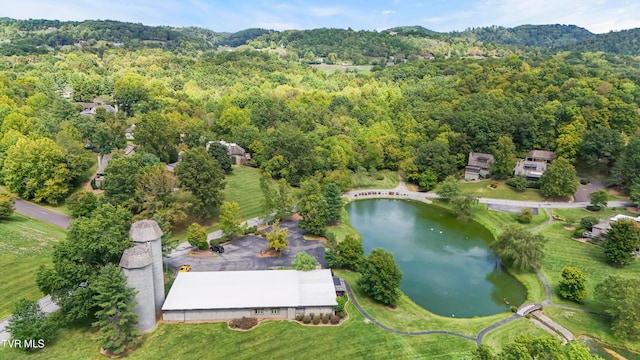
(354, 339)
(502, 191)
(243, 187)
(563, 251)
(25, 244)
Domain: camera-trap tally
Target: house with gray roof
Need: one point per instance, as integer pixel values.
(478, 166)
(534, 164)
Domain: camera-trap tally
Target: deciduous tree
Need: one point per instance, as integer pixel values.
(622, 238)
(518, 248)
(620, 298)
(449, 188)
(229, 222)
(599, 198)
(304, 261)
(82, 203)
(200, 173)
(29, 323)
(36, 170)
(347, 254)
(197, 236)
(221, 153)
(380, 277)
(572, 286)
(277, 237)
(504, 156)
(559, 179)
(463, 205)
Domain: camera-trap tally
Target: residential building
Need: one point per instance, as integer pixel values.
(478, 166)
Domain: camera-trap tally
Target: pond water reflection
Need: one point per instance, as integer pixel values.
(447, 264)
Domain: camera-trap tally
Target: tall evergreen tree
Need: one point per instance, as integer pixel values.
(312, 208)
(116, 319)
(335, 204)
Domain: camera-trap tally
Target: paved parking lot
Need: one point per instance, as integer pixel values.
(242, 253)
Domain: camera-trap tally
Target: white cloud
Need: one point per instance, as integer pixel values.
(387, 12)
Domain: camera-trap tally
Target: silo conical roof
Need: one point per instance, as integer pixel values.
(145, 230)
(135, 257)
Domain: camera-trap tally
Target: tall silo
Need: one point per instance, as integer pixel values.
(136, 263)
(148, 232)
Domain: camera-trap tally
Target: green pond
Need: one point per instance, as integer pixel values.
(448, 266)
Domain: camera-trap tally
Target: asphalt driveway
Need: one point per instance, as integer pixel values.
(242, 253)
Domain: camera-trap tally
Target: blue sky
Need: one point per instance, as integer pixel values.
(598, 16)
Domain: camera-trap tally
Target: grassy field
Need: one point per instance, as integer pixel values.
(591, 325)
(408, 316)
(354, 339)
(508, 333)
(502, 191)
(243, 187)
(386, 180)
(24, 245)
(563, 251)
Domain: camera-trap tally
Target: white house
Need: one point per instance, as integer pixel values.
(265, 294)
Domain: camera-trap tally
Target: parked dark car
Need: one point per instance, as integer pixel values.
(217, 248)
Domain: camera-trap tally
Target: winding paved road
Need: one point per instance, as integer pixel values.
(43, 214)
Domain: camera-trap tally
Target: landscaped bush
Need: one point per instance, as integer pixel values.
(591, 207)
(316, 319)
(578, 233)
(299, 317)
(533, 184)
(339, 309)
(584, 181)
(587, 222)
(250, 230)
(306, 319)
(245, 323)
(335, 319)
(325, 318)
(517, 182)
(525, 216)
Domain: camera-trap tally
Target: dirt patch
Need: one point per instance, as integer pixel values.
(570, 228)
(296, 217)
(633, 209)
(202, 254)
(269, 253)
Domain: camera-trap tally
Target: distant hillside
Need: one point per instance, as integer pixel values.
(543, 36)
(625, 42)
(415, 30)
(345, 44)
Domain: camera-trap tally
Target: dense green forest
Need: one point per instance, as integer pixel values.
(422, 116)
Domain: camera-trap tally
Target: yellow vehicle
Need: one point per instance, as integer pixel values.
(185, 268)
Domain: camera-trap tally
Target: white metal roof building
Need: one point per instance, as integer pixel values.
(222, 295)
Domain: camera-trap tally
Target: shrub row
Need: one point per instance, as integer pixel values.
(317, 318)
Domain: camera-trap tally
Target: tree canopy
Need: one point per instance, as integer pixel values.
(380, 277)
(518, 248)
